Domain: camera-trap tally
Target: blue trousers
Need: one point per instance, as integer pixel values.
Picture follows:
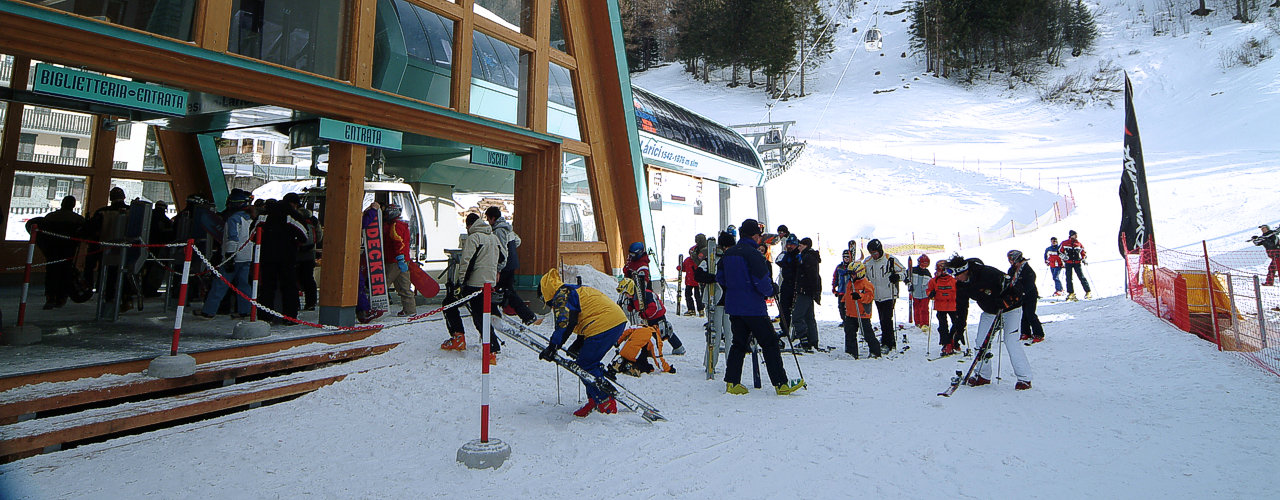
(237, 274)
(593, 350)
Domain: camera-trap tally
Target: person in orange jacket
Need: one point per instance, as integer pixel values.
(858, 296)
(948, 304)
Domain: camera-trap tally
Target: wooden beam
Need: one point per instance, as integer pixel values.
(344, 197)
(213, 24)
(537, 191)
(501, 32)
(539, 67)
(563, 59)
(136, 366)
(362, 30)
(460, 85)
(11, 127)
(205, 374)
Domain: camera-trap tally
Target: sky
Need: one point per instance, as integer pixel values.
(1123, 405)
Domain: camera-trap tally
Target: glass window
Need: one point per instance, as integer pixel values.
(577, 219)
(499, 78)
(514, 14)
(413, 52)
(53, 136)
(562, 110)
(309, 35)
(137, 149)
(171, 18)
(36, 194)
(557, 28)
(6, 70)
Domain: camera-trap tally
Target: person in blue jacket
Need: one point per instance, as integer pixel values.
(745, 276)
(597, 319)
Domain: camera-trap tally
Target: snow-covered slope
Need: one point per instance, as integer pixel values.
(1124, 406)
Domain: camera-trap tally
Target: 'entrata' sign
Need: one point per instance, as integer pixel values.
(494, 158)
(86, 86)
(334, 130)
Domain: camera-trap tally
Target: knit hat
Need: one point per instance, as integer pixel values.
(792, 240)
(807, 242)
(749, 228)
(1071, 233)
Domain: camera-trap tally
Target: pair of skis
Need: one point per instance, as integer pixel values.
(984, 352)
(527, 337)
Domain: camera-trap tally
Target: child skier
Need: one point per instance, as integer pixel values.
(589, 313)
(650, 309)
(945, 295)
(857, 299)
(639, 350)
(918, 287)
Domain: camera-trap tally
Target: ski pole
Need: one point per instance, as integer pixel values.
(797, 358)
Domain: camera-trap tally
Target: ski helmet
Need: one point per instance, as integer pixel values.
(391, 211)
(858, 269)
(627, 286)
(923, 261)
(1015, 256)
(732, 230)
(792, 240)
(239, 199)
(875, 246)
(636, 248)
(848, 254)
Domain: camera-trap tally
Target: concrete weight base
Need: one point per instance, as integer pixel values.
(180, 365)
(251, 330)
(478, 455)
(22, 335)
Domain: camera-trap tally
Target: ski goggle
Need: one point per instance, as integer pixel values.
(955, 271)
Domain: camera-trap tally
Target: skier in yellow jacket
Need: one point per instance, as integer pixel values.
(587, 312)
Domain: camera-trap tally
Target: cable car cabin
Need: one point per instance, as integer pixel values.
(773, 136)
(873, 40)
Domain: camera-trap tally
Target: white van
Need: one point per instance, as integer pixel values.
(313, 198)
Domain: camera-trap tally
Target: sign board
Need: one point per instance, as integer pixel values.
(86, 86)
(339, 131)
(372, 232)
(494, 158)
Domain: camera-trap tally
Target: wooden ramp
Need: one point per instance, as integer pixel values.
(44, 417)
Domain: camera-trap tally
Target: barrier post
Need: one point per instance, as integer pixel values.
(484, 364)
(26, 275)
(1013, 230)
(257, 251)
(979, 236)
(1128, 284)
(182, 296)
(484, 453)
(1208, 281)
(1262, 319)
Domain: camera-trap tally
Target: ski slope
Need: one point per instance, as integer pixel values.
(1123, 405)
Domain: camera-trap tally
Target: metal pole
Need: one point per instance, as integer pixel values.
(1231, 308)
(26, 275)
(1208, 282)
(257, 252)
(182, 297)
(484, 365)
(1262, 320)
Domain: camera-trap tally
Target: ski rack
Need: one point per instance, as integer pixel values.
(527, 337)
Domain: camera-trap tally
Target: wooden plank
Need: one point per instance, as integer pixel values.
(537, 189)
(540, 69)
(136, 366)
(36, 434)
(460, 85)
(237, 368)
(213, 25)
(360, 56)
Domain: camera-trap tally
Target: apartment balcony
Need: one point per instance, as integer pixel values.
(57, 123)
(70, 161)
(256, 159)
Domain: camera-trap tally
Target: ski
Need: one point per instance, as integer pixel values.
(527, 337)
(984, 351)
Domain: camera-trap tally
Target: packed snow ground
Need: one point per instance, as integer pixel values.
(1123, 405)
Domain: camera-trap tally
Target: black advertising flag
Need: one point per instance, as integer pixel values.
(1135, 206)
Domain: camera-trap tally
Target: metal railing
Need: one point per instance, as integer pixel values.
(257, 159)
(58, 123)
(54, 159)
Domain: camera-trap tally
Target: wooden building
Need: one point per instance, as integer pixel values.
(530, 97)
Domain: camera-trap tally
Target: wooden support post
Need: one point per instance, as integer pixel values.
(344, 194)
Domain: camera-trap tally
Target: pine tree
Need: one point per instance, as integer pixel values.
(816, 38)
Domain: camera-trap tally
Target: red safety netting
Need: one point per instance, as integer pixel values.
(1223, 295)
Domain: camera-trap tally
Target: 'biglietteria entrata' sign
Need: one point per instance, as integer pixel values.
(86, 86)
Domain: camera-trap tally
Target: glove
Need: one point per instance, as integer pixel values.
(856, 295)
(549, 353)
(893, 277)
(400, 263)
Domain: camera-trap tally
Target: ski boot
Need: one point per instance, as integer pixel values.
(1037, 340)
(789, 387)
(977, 381)
(458, 342)
(733, 388)
(949, 349)
(1088, 295)
(1022, 385)
(1025, 337)
(679, 351)
(586, 409)
(608, 406)
(1071, 297)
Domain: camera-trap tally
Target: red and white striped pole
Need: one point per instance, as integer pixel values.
(484, 365)
(257, 251)
(26, 275)
(182, 297)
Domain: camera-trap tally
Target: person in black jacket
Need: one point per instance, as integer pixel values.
(282, 233)
(1269, 240)
(1031, 328)
(993, 292)
(60, 276)
(804, 324)
(789, 263)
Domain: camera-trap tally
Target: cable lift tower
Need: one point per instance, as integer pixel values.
(778, 151)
